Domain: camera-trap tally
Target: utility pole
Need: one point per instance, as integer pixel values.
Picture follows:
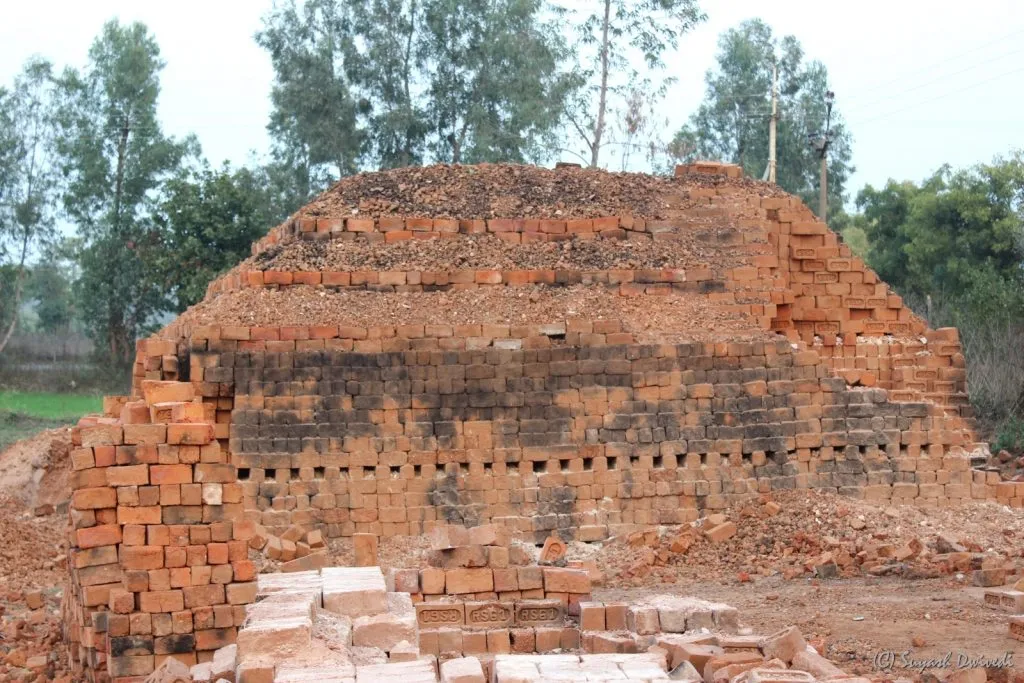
(771, 126)
(820, 142)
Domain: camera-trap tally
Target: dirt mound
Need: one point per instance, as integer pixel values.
(696, 248)
(508, 191)
(669, 317)
(34, 471)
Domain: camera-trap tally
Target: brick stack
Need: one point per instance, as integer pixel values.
(581, 427)
(157, 568)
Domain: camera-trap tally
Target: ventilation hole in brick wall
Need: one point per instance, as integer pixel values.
(343, 473)
(417, 470)
(588, 463)
(464, 467)
(564, 464)
(703, 458)
(540, 466)
(634, 460)
(318, 472)
(557, 337)
(612, 462)
(396, 471)
(295, 473)
(243, 474)
(488, 467)
(659, 462)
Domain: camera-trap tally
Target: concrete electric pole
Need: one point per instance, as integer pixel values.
(820, 142)
(771, 127)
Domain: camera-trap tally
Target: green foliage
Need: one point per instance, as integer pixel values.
(732, 122)
(609, 38)
(49, 289)
(953, 246)
(115, 160)
(314, 123)
(953, 234)
(851, 229)
(387, 83)
(28, 181)
(1010, 436)
(494, 91)
(207, 221)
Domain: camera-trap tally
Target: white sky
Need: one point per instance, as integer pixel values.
(920, 83)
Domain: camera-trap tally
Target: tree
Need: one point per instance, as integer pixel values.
(115, 158)
(617, 31)
(49, 289)
(390, 67)
(314, 124)
(953, 246)
(732, 122)
(207, 221)
(387, 83)
(28, 182)
(495, 91)
(938, 238)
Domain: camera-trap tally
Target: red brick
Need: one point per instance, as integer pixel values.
(359, 224)
(94, 498)
(128, 475)
(306, 278)
(170, 474)
(94, 537)
(164, 392)
(142, 557)
(194, 434)
(463, 581)
(277, 277)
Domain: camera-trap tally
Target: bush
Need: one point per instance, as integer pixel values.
(1010, 436)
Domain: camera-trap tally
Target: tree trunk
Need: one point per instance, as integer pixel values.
(407, 57)
(456, 148)
(19, 282)
(602, 102)
(114, 326)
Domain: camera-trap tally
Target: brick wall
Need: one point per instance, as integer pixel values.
(393, 434)
(158, 565)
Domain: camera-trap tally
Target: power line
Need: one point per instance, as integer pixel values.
(956, 57)
(938, 78)
(943, 95)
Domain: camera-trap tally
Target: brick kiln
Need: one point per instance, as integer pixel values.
(568, 351)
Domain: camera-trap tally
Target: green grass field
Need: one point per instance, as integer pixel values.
(49, 406)
(24, 413)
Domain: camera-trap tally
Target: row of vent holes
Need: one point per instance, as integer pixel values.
(321, 472)
(539, 467)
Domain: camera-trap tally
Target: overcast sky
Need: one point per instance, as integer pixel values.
(920, 83)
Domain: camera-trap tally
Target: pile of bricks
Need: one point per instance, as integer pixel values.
(483, 595)
(286, 436)
(1009, 600)
(296, 549)
(341, 625)
(157, 568)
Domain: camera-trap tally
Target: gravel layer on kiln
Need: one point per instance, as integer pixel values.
(512, 191)
(719, 247)
(674, 316)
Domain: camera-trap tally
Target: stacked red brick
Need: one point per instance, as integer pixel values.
(827, 295)
(157, 567)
